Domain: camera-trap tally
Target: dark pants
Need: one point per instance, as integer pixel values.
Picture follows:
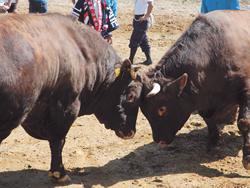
(139, 37)
(38, 7)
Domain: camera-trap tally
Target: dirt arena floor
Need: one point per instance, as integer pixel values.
(95, 157)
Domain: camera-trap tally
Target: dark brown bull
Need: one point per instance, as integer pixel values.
(54, 69)
(206, 70)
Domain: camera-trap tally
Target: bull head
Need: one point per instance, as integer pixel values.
(133, 70)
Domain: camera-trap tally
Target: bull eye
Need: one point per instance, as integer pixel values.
(161, 110)
(131, 97)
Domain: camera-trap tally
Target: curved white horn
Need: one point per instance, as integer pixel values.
(136, 68)
(155, 90)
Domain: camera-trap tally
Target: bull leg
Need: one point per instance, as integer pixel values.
(244, 126)
(213, 133)
(57, 169)
(213, 139)
(6, 130)
(64, 117)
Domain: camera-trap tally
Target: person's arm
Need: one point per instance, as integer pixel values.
(114, 8)
(16, 7)
(6, 7)
(112, 24)
(9, 3)
(235, 5)
(150, 8)
(73, 1)
(203, 8)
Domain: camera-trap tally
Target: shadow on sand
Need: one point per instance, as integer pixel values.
(185, 155)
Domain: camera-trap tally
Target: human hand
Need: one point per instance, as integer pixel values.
(110, 39)
(142, 18)
(15, 10)
(5, 8)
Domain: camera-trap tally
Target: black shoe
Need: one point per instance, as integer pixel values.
(132, 54)
(147, 62)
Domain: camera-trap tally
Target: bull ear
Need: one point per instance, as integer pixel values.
(183, 80)
(126, 66)
(177, 85)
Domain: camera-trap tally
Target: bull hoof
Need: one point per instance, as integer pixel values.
(56, 174)
(50, 174)
(214, 150)
(56, 177)
(246, 161)
(65, 179)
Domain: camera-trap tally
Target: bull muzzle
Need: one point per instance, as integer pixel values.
(130, 134)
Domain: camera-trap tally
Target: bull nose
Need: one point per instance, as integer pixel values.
(162, 143)
(131, 135)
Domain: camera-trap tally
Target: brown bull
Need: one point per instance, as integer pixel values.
(54, 69)
(206, 70)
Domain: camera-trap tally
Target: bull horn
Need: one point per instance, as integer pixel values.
(117, 72)
(155, 90)
(133, 71)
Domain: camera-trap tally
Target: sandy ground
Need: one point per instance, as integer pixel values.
(95, 157)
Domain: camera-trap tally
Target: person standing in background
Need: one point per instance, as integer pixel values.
(142, 11)
(11, 6)
(113, 5)
(38, 6)
(98, 15)
(211, 5)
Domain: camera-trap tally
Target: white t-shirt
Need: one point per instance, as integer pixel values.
(141, 6)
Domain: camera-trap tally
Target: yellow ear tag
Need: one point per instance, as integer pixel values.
(133, 73)
(117, 72)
